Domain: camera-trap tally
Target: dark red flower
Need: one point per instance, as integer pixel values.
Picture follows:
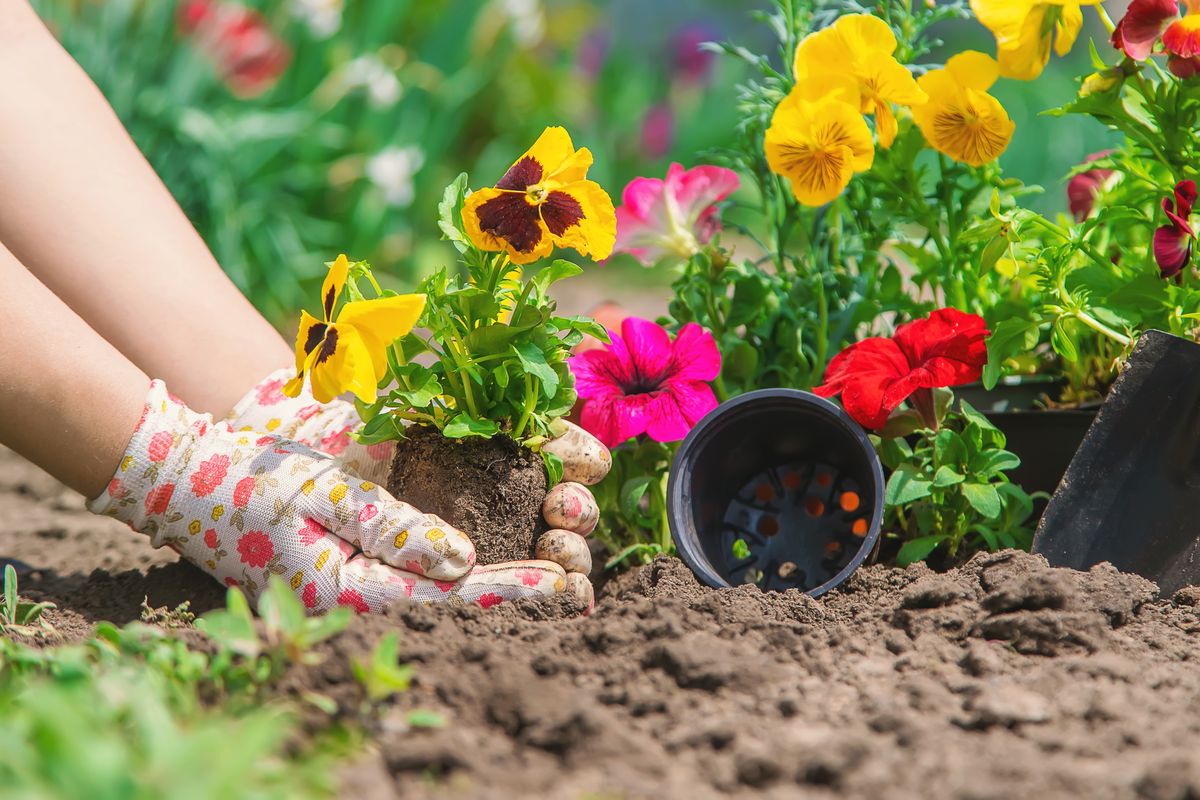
(1173, 241)
(247, 54)
(1083, 188)
(1143, 25)
(876, 375)
(353, 599)
(255, 548)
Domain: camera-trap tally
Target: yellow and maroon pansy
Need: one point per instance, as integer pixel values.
(544, 200)
(346, 350)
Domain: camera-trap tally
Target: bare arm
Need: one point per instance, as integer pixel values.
(83, 210)
(68, 400)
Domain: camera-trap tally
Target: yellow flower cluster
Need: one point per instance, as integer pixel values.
(818, 138)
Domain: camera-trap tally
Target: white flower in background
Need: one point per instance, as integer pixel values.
(323, 17)
(382, 85)
(392, 170)
(528, 20)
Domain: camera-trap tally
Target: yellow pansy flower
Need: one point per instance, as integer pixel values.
(818, 139)
(1024, 30)
(961, 119)
(861, 47)
(348, 354)
(544, 200)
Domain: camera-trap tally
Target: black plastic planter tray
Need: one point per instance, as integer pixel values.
(1045, 441)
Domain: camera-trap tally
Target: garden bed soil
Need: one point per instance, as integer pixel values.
(492, 489)
(1001, 678)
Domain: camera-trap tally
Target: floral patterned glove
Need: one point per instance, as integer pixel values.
(324, 427)
(242, 506)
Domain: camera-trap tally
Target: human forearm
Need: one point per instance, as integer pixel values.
(81, 208)
(68, 400)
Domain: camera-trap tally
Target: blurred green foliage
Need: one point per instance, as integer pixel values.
(383, 104)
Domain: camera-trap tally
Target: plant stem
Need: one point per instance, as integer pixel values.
(530, 402)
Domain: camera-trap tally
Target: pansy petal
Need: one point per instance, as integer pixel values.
(380, 322)
(1066, 30)
(551, 151)
(581, 216)
(1182, 37)
(1142, 25)
(502, 220)
(342, 364)
(1172, 249)
(331, 288)
(573, 168)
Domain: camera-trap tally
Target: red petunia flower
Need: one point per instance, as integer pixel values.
(876, 375)
(1173, 241)
(1083, 188)
(255, 548)
(643, 382)
(353, 599)
(210, 475)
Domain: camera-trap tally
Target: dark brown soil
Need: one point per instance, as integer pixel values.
(491, 489)
(1002, 678)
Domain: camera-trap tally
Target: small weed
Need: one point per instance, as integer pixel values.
(179, 617)
(18, 617)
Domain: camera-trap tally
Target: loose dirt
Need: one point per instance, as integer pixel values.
(490, 487)
(1002, 678)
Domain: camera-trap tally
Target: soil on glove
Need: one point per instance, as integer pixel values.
(1001, 678)
(490, 489)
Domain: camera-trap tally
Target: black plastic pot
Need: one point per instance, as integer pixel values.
(1045, 441)
(790, 475)
(1012, 393)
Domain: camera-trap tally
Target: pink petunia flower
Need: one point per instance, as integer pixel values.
(643, 382)
(1173, 241)
(675, 216)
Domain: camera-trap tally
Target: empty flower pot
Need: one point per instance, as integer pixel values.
(779, 488)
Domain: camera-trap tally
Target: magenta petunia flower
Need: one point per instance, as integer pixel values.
(1084, 186)
(675, 216)
(645, 383)
(1173, 241)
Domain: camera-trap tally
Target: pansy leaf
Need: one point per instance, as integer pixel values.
(533, 361)
(448, 213)
(983, 498)
(418, 385)
(918, 549)
(465, 425)
(556, 271)
(554, 468)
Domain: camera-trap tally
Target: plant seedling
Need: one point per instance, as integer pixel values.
(19, 617)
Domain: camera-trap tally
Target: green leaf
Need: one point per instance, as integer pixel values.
(983, 498)
(918, 549)
(905, 487)
(554, 468)
(418, 385)
(423, 718)
(630, 499)
(1062, 342)
(1011, 337)
(555, 272)
(448, 213)
(464, 425)
(232, 627)
(992, 462)
(533, 361)
(10, 593)
(991, 253)
(945, 476)
(749, 292)
(948, 448)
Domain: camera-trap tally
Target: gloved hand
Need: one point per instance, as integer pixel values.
(569, 506)
(242, 506)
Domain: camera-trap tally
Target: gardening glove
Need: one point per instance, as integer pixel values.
(324, 427)
(243, 506)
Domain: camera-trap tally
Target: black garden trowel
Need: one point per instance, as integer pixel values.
(1131, 495)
